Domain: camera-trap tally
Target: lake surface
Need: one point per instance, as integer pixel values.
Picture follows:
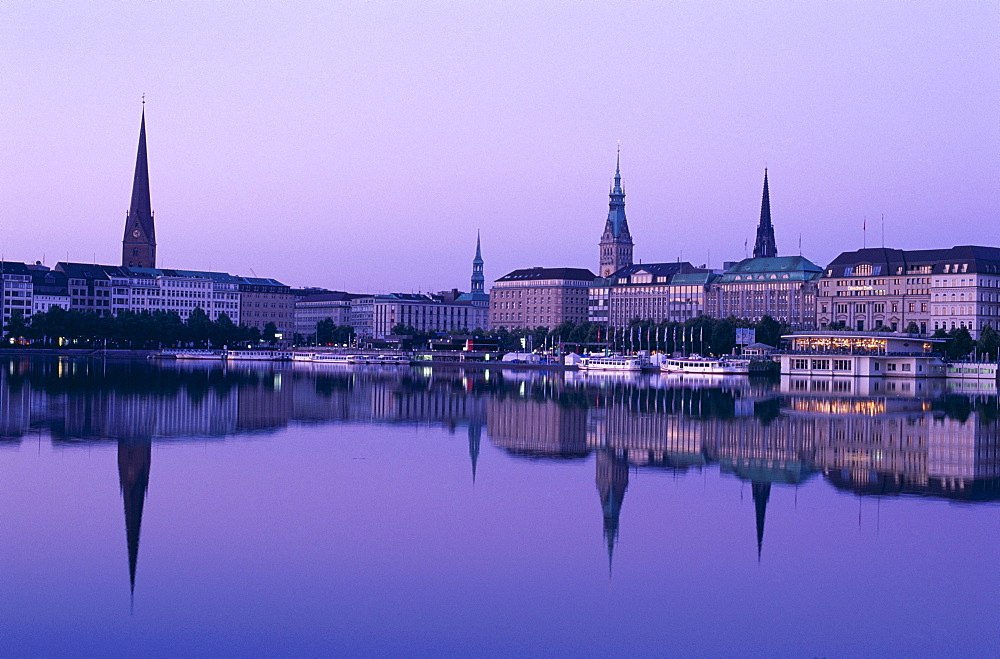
(170, 509)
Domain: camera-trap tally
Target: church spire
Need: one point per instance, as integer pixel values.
(761, 493)
(765, 244)
(475, 436)
(134, 459)
(478, 280)
(139, 244)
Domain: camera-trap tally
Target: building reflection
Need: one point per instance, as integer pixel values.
(863, 437)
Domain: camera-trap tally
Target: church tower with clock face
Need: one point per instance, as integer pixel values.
(139, 245)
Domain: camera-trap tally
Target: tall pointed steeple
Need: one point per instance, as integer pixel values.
(765, 244)
(761, 494)
(139, 244)
(134, 459)
(475, 437)
(477, 269)
(616, 241)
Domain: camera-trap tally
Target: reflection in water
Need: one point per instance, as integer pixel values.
(865, 437)
(133, 476)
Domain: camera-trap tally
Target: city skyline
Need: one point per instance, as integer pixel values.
(273, 146)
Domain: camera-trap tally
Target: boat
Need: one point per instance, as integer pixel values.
(393, 360)
(259, 355)
(611, 363)
(193, 353)
(299, 356)
(705, 365)
(332, 358)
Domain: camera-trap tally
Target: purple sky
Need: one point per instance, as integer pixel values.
(361, 144)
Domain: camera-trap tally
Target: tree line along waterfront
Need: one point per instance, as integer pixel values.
(159, 329)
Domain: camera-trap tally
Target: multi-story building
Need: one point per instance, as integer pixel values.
(425, 313)
(180, 291)
(49, 289)
(17, 292)
(332, 305)
(264, 301)
(89, 287)
(657, 292)
(540, 297)
(782, 287)
(897, 290)
(616, 241)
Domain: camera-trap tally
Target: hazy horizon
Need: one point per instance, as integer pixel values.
(361, 145)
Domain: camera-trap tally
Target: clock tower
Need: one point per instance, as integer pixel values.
(139, 244)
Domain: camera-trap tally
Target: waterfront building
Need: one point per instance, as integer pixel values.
(179, 291)
(16, 293)
(782, 287)
(896, 289)
(859, 354)
(424, 312)
(264, 301)
(657, 292)
(616, 241)
(540, 297)
(89, 287)
(49, 289)
(310, 309)
(139, 243)
(599, 300)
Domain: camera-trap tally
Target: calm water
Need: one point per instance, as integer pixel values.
(152, 510)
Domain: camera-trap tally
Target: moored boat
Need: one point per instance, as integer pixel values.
(611, 363)
(705, 365)
(192, 353)
(259, 355)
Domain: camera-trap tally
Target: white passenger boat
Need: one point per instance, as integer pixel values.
(705, 365)
(299, 356)
(192, 353)
(259, 355)
(332, 358)
(611, 363)
(393, 360)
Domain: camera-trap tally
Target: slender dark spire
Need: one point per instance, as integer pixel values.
(134, 459)
(475, 435)
(141, 206)
(478, 279)
(761, 493)
(765, 244)
(139, 244)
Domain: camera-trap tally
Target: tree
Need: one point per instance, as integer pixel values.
(199, 327)
(989, 343)
(768, 331)
(223, 331)
(912, 328)
(16, 327)
(324, 331)
(270, 333)
(961, 343)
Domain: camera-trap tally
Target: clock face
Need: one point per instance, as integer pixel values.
(135, 233)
